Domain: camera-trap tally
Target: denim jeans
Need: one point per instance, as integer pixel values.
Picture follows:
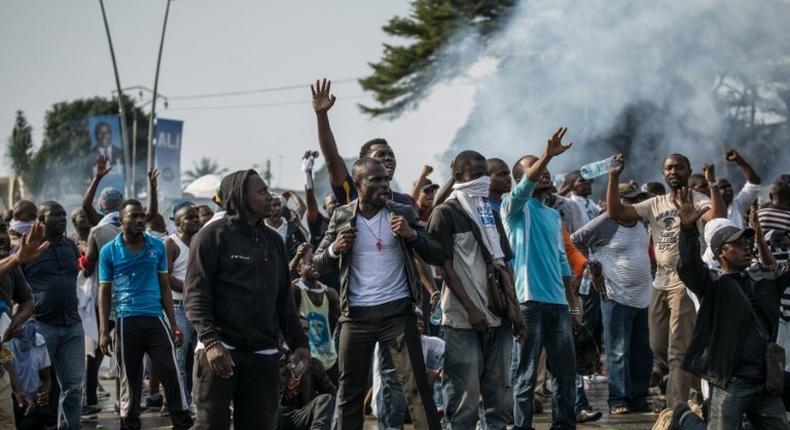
(549, 327)
(727, 407)
(628, 355)
(477, 365)
(581, 396)
(390, 402)
(186, 348)
(66, 347)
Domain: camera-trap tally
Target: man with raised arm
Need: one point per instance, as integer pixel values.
(371, 241)
(671, 314)
(110, 198)
(549, 306)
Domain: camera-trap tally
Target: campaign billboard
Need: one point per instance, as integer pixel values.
(167, 156)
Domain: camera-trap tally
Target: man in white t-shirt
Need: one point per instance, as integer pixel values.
(671, 315)
(371, 242)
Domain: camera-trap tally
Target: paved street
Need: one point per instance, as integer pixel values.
(108, 420)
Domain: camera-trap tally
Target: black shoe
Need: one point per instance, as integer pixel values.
(677, 413)
(153, 402)
(88, 410)
(587, 415)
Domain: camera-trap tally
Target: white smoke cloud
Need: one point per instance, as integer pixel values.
(618, 71)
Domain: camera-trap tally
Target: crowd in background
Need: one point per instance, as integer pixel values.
(482, 302)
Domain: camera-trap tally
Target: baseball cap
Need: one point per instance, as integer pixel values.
(426, 184)
(629, 190)
(728, 234)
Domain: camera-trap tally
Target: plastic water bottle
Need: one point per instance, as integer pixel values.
(598, 168)
(584, 287)
(436, 316)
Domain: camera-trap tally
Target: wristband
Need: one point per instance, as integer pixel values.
(212, 344)
(575, 311)
(177, 332)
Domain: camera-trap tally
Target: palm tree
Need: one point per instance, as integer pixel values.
(206, 166)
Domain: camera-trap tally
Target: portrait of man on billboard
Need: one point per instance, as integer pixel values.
(106, 140)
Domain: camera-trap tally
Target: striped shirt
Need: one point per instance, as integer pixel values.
(774, 218)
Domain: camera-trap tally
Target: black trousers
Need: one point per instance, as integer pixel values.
(254, 389)
(92, 365)
(394, 326)
(316, 415)
(135, 337)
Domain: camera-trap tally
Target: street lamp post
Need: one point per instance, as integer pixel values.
(153, 102)
(121, 110)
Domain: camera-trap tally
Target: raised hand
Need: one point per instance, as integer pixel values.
(683, 199)
(102, 166)
(32, 244)
(732, 155)
(710, 172)
(754, 222)
(554, 146)
(618, 163)
(426, 170)
(322, 98)
(153, 177)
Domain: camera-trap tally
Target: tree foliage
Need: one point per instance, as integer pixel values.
(405, 73)
(206, 166)
(63, 162)
(20, 146)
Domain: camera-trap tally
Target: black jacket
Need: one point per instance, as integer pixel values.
(237, 287)
(725, 318)
(346, 216)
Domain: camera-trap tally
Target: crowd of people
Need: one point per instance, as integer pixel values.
(460, 306)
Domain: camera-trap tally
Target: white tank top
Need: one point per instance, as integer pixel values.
(180, 265)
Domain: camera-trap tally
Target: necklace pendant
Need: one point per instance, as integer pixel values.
(379, 245)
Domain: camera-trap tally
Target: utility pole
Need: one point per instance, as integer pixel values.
(153, 101)
(121, 110)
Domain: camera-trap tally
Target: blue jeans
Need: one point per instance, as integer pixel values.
(186, 347)
(628, 355)
(581, 396)
(477, 365)
(549, 327)
(727, 407)
(390, 401)
(66, 347)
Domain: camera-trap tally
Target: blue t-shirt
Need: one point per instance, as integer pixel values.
(134, 276)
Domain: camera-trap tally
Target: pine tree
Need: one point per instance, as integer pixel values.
(405, 73)
(20, 151)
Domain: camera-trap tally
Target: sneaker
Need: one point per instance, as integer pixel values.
(154, 401)
(587, 415)
(664, 421)
(90, 410)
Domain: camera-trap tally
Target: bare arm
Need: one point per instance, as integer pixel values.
(92, 255)
(766, 256)
(167, 299)
(102, 168)
(322, 102)
(415, 190)
(42, 396)
(614, 207)
(746, 169)
(172, 255)
(717, 207)
(153, 196)
(104, 307)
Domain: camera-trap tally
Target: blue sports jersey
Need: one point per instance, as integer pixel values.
(134, 276)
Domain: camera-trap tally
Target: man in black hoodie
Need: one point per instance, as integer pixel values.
(238, 297)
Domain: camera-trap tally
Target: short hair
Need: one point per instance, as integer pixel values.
(362, 165)
(202, 208)
(518, 170)
(24, 205)
(656, 188)
(680, 157)
(47, 205)
(365, 150)
(780, 190)
(465, 159)
(129, 202)
(494, 161)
